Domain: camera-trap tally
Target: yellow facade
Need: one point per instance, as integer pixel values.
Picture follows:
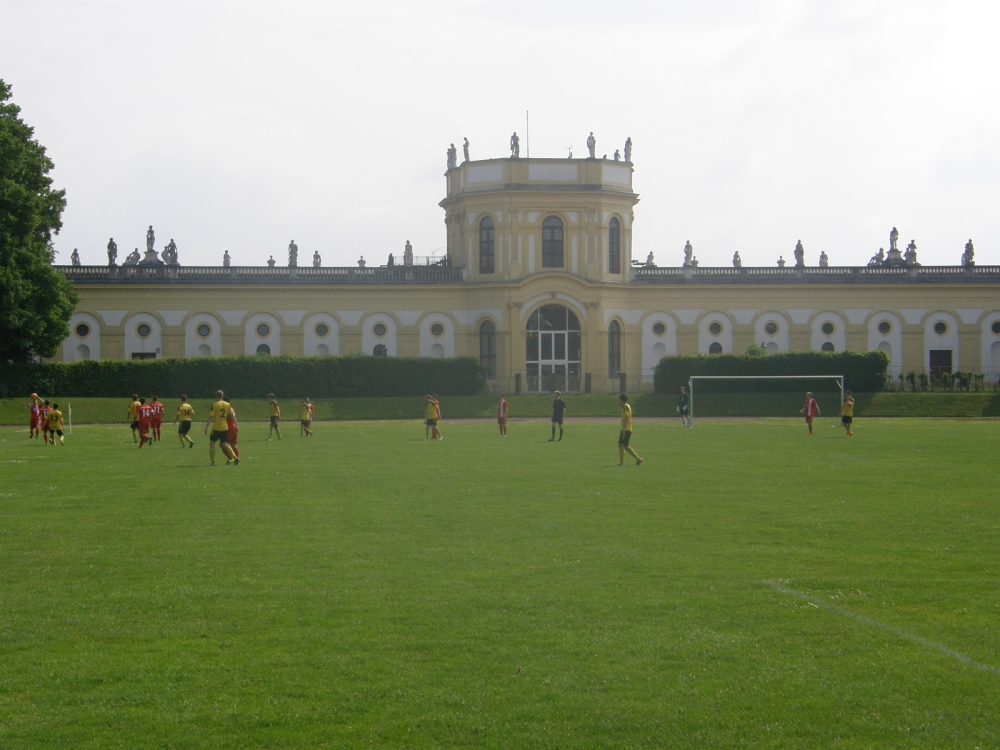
(523, 234)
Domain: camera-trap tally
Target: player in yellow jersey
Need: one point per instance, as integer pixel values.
(626, 433)
(217, 415)
(847, 413)
(431, 413)
(133, 417)
(274, 414)
(304, 415)
(185, 413)
(55, 418)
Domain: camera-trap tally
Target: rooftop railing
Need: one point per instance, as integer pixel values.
(819, 275)
(260, 275)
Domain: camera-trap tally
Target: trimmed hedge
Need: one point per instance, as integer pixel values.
(862, 371)
(247, 377)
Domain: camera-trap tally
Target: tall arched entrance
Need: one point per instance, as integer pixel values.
(553, 350)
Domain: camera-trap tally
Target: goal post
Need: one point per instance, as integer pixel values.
(838, 380)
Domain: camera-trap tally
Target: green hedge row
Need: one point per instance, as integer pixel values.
(247, 377)
(862, 371)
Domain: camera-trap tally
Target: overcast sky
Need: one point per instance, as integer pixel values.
(239, 126)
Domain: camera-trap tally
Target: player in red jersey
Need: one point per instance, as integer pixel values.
(145, 414)
(43, 421)
(811, 409)
(233, 430)
(33, 414)
(502, 415)
(157, 417)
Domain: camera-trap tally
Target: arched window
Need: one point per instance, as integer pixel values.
(715, 348)
(488, 348)
(486, 246)
(263, 349)
(614, 247)
(553, 350)
(380, 350)
(614, 349)
(552, 243)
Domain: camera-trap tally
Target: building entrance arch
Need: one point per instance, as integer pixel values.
(553, 349)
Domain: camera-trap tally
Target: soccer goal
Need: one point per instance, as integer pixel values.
(837, 381)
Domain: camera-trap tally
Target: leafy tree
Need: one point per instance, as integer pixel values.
(36, 302)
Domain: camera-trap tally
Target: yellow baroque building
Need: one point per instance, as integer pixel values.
(540, 284)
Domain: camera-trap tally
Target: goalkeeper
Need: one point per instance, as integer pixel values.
(684, 408)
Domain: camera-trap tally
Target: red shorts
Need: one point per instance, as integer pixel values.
(501, 420)
(143, 425)
(33, 423)
(233, 438)
(809, 419)
(156, 422)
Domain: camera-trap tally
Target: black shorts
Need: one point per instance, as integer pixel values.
(557, 419)
(57, 432)
(623, 439)
(683, 410)
(135, 425)
(184, 428)
(220, 436)
(431, 422)
(274, 422)
(846, 420)
(304, 422)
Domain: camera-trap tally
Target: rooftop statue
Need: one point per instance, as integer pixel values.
(75, 257)
(628, 150)
(132, 259)
(151, 258)
(737, 261)
(170, 253)
(317, 261)
(112, 251)
(408, 254)
(270, 262)
(515, 146)
(649, 261)
(391, 263)
(452, 157)
(150, 240)
(226, 260)
(781, 261)
(877, 259)
(618, 156)
(293, 254)
(800, 255)
(688, 253)
(824, 260)
(910, 256)
(361, 262)
(969, 254)
(465, 150)
(893, 239)
(592, 145)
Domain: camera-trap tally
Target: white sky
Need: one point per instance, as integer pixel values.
(241, 125)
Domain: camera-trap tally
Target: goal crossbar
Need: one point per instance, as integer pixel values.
(838, 378)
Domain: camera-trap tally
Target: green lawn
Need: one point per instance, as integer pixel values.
(365, 588)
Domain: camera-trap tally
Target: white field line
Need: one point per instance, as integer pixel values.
(887, 628)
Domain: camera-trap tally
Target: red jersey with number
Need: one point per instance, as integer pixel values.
(145, 414)
(43, 417)
(502, 409)
(157, 408)
(810, 408)
(33, 410)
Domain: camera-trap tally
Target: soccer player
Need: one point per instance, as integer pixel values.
(33, 415)
(274, 413)
(626, 433)
(43, 420)
(811, 409)
(502, 415)
(684, 407)
(304, 418)
(847, 413)
(310, 414)
(437, 407)
(232, 431)
(217, 415)
(54, 419)
(431, 418)
(157, 422)
(558, 411)
(145, 414)
(133, 417)
(185, 413)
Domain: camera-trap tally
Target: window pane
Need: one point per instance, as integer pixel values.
(574, 347)
(572, 324)
(531, 346)
(552, 243)
(486, 246)
(614, 247)
(560, 345)
(546, 346)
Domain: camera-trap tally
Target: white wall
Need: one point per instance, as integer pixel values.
(439, 347)
(778, 341)
(312, 341)
(252, 339)
(892, 340)
(153, 343)
(654, 347)
(72, 350)
(369, 339)
(194, 344)
(839, 336)
(990, 346)
(706, 339)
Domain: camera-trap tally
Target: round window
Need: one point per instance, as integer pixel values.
(940, 328)
(827, 328)
(771, 328)
(659, 329)
(204, 330)
(715, 328)
(83, 330)
(322, 329)
(884, 327)
(263, 330)
(827, 346)
(995, 327)
(437, 329)
(263, 349)
(143, 330)
(379, 329)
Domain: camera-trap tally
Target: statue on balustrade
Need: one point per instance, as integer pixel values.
(970, 252)
(170, 253)
(649, 261)
(877, 259)
(75, 257)
(361, 262)
(824, 259)
(151, 258)
(452, 157)
(465, 150)
(317, 261)
(226, 260)
(592, 145)
(293, 254)
(910, 256)
(270, 262)
(781, 261)
(112, 251)
(150, 240)
(391, 262)
(893, 239)
(628, 150)
(800, 255)
(515, 146)
(737, 261)
(132, 259)
(408, 254)
(618, 156)
(688, 253)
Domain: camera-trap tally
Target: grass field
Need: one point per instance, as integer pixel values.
(746, 587)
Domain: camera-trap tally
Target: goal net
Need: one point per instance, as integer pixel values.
(763, 395)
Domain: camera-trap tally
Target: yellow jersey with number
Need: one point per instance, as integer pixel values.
(133, 411)
(219, 412)
(626, 418)
(185, 412)
(55, 420)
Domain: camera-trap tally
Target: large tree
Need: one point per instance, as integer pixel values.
(36, 302)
